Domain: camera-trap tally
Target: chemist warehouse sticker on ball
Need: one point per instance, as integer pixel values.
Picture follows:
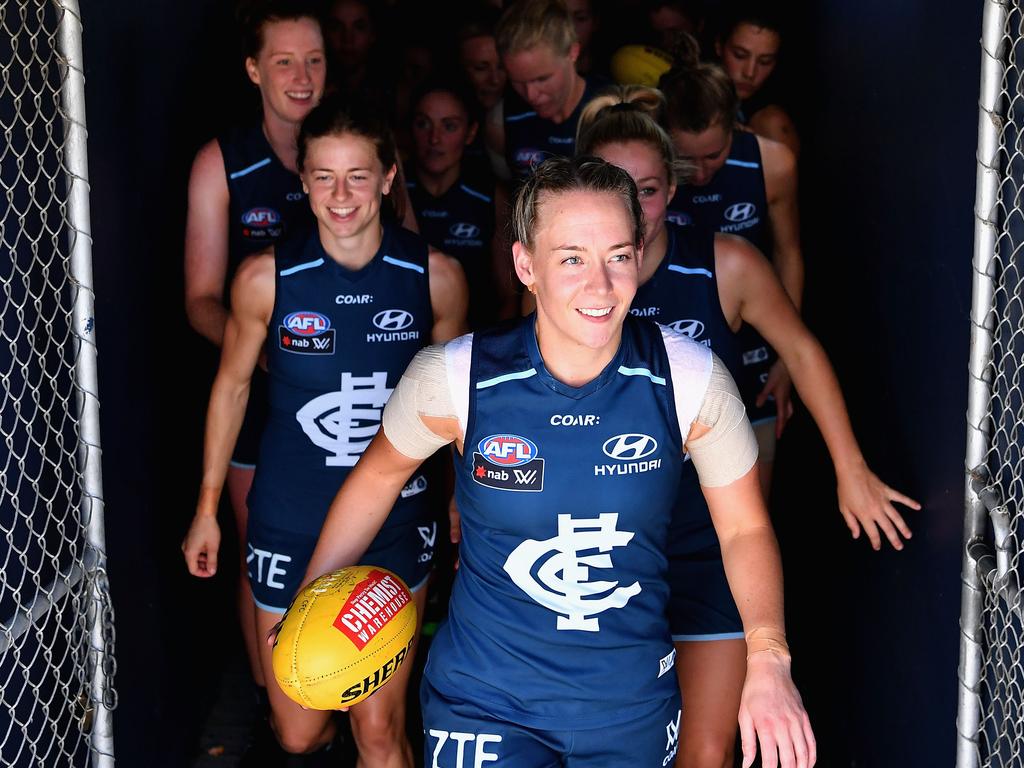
(508, 463)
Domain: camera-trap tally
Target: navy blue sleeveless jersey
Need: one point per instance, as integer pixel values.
(557, 617)
(734, 200)
(338, 342)
(267, 201)
(461, 224)
(529, 139)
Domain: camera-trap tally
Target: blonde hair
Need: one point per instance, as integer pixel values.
(629, 113)
(558, 175)
(529, 23)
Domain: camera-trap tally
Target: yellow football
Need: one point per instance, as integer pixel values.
(639, 65)
(344, 636)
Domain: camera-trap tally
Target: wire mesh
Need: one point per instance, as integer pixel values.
(56, 625)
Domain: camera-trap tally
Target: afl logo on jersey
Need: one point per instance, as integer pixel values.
(740, 212)
(629, 447)
(464, 230)
(679, 218)
(307, 323)
(393, 320)
(261, 224)
(527, 157)
(508, 463)
(306, 333)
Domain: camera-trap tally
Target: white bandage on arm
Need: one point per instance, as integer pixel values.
(422, 391)
(729, 450)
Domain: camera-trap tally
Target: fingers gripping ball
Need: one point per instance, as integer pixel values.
(344, 636)
(639, 65)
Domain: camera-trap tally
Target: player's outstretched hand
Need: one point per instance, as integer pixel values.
(779, 386)
(772, 714)
(201, 545)
(866, 503)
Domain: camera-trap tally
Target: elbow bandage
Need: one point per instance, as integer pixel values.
(422, 391)
(728, 451)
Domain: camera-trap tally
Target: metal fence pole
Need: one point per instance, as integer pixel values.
(985, 236)
(100, 667)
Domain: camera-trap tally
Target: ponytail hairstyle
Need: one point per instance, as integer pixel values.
(699, 95)
(558, 175)
(353, 117)
(629, 113)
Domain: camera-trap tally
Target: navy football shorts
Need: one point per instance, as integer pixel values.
(277, 558)
(458, 734)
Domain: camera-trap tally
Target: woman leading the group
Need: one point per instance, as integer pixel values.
(570, 428)
(245, 195)
(707, 286)
(341, 312)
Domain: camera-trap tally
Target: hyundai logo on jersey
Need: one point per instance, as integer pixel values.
(740, 211)
(464, 230)
(392, 319)
(628, 449)
(692, 328)
(508, 463)
(306, 333)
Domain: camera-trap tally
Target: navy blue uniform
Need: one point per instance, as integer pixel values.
(529, 139)
(266, 205)
(338, 342)
(735, 201)
(461, 223)
(683, 294)
(556, 650)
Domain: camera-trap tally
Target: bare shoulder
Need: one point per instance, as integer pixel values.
(443, 268)
(252, 290)
(774, 122)
(209, 162)
(736, 256)
(778, 160)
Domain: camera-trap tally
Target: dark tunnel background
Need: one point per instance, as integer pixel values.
(885, 95)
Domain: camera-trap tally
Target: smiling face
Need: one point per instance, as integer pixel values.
(645, 164)
(440, 132)
(749, 56)
(583, 266)
(345, 181)
(543, 79)
(483, 67)
(707, 151)
(290, 68)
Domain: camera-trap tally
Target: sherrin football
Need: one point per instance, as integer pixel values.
(639, 65)
(344, 636)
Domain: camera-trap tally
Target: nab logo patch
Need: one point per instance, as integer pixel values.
(631, 447)
(508, 463)
(306, 333)
(464, 230)
(740, 212)
(393, 319)
(262, 224)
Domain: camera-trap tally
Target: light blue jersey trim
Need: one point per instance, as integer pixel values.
(250, 169)
(474, 193)
(241, 465)
(404, 264)
(269, 608)
(520, 116)
(421, 585)
(743, 163)
(506, 377)
(301, 267)
(641, 372)
(707, 638)
(690, 270)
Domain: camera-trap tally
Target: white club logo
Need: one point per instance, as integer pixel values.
(343, 423)
(740, 211)
(392, 319)
(428, 533)
(464, 230)
(562, 583)
(692, 328)
(629, 447)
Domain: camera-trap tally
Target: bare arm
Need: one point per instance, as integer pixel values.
(780, 187)
(774, 123)
(206, 244)
(494, 140)
(449, 297)
(750, 292)
(252, 295)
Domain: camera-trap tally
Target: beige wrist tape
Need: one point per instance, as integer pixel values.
(729, 450)
(767, 639)
(422, 391)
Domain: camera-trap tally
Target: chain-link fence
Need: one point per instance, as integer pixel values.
(56, 627)
(990, 720)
